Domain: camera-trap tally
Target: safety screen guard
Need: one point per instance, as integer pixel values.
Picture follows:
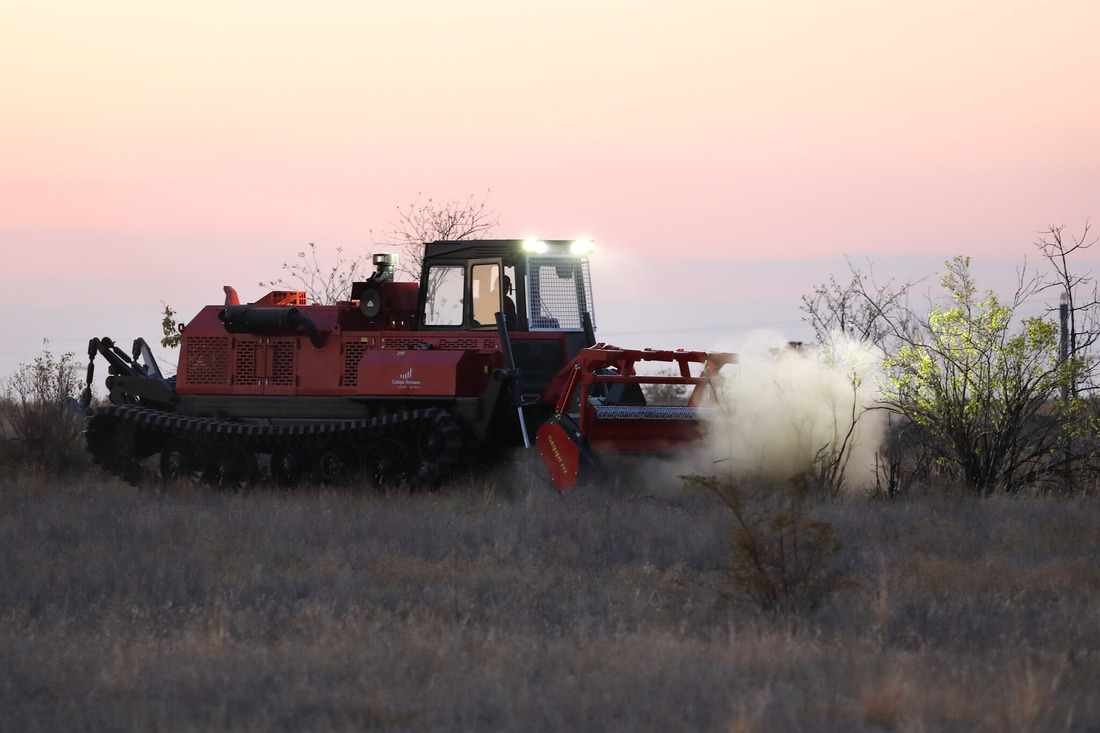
(559, 290)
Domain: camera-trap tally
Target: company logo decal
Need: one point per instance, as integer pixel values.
(406, 380)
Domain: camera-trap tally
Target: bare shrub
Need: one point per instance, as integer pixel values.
(780, 555)
(903, 465)
(39, 428)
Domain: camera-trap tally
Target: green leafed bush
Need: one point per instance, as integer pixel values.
(982, 392)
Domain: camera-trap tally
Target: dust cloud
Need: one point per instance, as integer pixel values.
(782, 405)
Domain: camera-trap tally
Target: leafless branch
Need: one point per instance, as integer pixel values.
(428, 221)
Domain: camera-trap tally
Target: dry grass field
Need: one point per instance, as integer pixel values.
(499, 605)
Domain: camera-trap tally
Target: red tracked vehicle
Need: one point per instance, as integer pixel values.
(402, 384)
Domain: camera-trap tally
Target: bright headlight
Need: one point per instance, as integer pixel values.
(582, 247)
(535, 245)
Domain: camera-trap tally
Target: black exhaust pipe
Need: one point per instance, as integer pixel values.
(258, 319)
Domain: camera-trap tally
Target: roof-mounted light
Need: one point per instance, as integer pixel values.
(535, 245)
(582, 247)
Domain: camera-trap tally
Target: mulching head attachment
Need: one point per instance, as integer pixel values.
(603, 408)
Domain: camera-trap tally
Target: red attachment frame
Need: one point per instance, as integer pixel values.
(634, 428)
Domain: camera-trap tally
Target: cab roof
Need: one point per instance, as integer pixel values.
(508, 249)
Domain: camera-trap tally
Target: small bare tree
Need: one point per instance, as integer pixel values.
(428, 221)
(322, 283)
(1082, 307)
(418, 223)
(861, 309)
(827, 474)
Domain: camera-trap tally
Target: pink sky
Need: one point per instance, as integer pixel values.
(724, 155)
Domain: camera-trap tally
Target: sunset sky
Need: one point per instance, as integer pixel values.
(725, 156)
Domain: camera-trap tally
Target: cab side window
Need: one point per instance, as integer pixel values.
(443, 305)
(486, 288)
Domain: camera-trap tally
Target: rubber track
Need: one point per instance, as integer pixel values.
(115, 434)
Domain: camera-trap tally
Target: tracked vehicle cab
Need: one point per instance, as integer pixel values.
(539, 285)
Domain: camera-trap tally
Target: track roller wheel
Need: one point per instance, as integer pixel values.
(229, 466)
(180, 461)
(288, 467)
(337, 463)
(387, 464)
(439, 448)
(111, 442)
